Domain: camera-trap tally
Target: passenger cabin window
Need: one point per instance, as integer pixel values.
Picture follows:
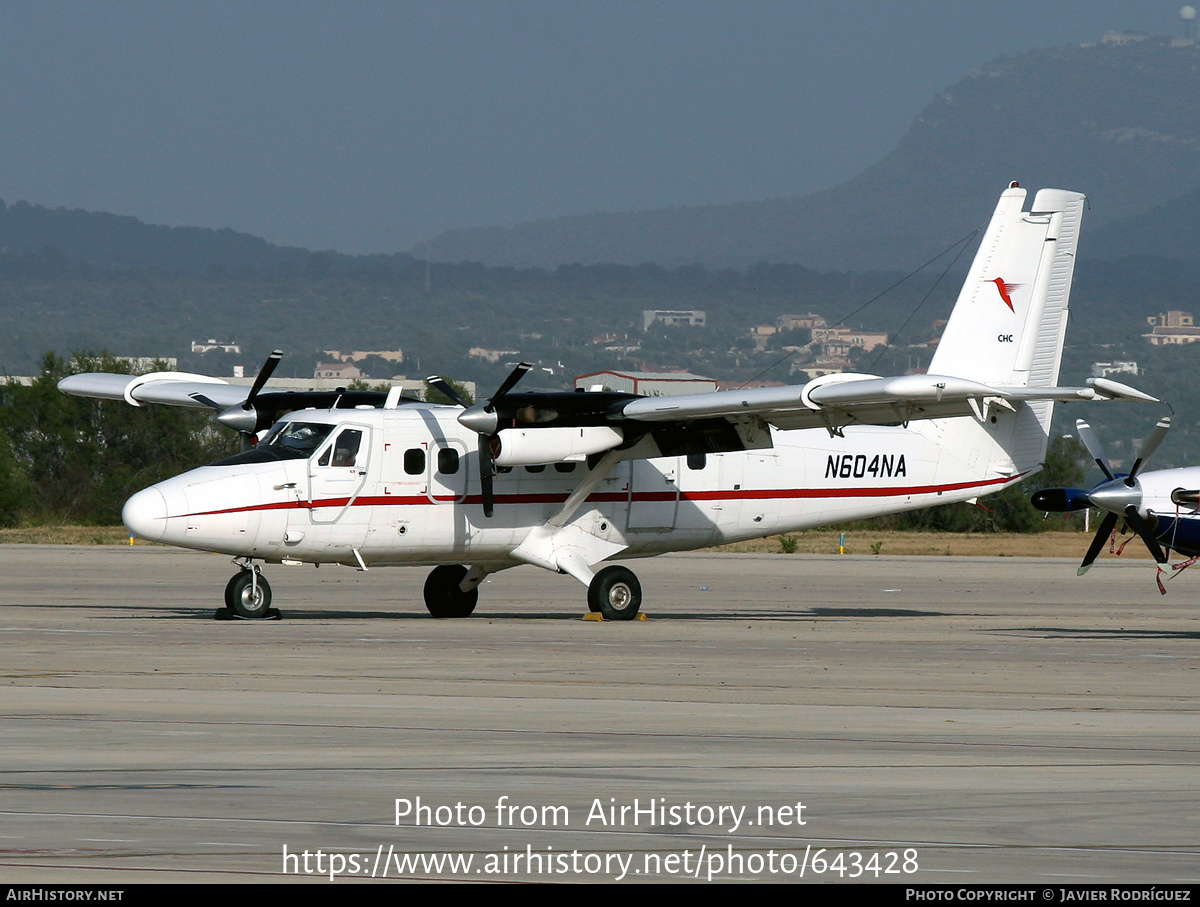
(447, 461)
(541, 467)
(414, 461)
(564, 467)
(697, 461)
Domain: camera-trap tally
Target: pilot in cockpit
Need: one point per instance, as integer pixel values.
(345, 451)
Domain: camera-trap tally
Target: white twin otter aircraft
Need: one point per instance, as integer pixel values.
(569, 481)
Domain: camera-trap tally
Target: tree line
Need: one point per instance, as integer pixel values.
(74, 461)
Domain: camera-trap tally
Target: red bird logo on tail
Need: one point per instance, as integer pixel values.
(1005, 289)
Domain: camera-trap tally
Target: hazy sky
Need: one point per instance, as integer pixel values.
(368, 126)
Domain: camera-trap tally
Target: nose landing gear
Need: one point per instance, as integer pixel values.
(248, 596)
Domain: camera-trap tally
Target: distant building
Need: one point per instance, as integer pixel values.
(617, 343)
(761, 334)
(210, 345)
(649, 383)
(491, 355)
(143, 364)
(810, 322)
(1104, 369)
(849, 337)
(1121, 38)
(360, 355)
(1171, 328)
(822, 365)
(341, 371)
(673, 317)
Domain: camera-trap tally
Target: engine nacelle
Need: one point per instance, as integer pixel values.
(532, 446)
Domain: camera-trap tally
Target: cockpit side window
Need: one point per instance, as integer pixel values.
(345, 448)
(286, 441)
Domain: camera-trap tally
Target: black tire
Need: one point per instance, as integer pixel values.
(443, 598)
(240, 595)
(229, 590)
(616, 593)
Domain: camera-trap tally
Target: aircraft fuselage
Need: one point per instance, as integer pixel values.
(409, 493)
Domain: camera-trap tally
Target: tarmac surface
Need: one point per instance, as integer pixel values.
(911, 720)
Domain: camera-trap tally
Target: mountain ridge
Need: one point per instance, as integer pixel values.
(1111, 120)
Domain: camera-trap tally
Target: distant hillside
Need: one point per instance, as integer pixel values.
(115, 242)
(1165, 231)
(1117, 122)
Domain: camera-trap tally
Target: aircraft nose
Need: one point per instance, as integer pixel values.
(145, 514)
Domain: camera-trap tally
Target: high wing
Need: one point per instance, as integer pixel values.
(247, 410)
(174, 388)
(836, 401)
(202, 392)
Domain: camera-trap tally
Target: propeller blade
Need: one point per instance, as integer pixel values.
(1098, 540)
(264, 375)
(486, 471)
(446, 388)
(1144, 529)
(1092, 442)
(513, 377)
(1148, 447)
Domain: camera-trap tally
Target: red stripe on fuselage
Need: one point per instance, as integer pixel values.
(765, 494)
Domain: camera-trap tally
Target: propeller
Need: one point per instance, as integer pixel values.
(1119, 496)
(1092, 442)
(483, 419)
(1148, 447)
(244, 418)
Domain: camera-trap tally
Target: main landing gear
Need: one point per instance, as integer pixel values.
(248, 596)
(614, 592)
(444, 596)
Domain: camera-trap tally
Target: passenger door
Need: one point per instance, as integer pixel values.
(338, 471)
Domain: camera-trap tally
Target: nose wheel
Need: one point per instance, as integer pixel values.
(248, 596)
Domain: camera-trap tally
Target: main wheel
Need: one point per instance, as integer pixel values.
(247, 597)
(443, 598)
(616, 593)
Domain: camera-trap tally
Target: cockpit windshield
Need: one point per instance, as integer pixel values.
(295, 439)
(285, 441)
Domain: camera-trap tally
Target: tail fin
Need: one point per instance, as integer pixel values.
(1008, 324)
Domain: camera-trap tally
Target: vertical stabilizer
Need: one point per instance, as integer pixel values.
(1008, 324)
